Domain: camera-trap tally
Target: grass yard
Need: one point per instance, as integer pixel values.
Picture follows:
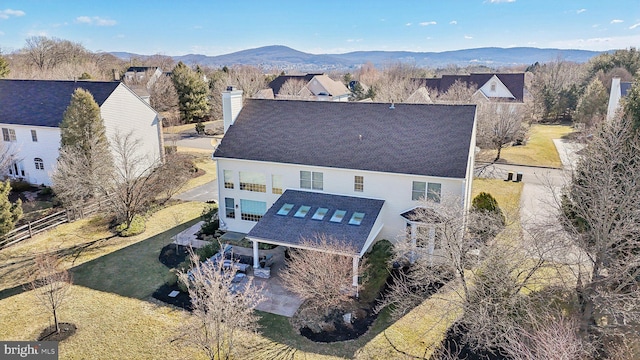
(204, 163)
(182, 128)
(109, 326)
(539, 150)
(507, 193)
(83, 241)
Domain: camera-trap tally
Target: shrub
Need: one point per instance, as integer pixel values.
(137, 227)
(170, 149)
(199, 127)
(210, 218)
(488, 219)
(209, 250)
(20, 186)
(171, 278)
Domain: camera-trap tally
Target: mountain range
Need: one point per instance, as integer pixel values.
(284, 58)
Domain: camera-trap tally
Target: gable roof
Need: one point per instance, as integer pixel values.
(142, 68)
(277, 83)
(419, 139)
(513, 81)
(333, 88)
(290, 229)
(43, 102)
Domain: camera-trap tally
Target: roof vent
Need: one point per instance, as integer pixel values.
(392, 106)
(360, 136)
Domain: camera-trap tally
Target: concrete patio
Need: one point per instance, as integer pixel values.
(277, 299)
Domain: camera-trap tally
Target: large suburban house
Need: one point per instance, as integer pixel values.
(311, 87)
(502, 87)
(295, 170)
(619, 90)
(31, 112)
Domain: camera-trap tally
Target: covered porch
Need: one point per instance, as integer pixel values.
(302, 215)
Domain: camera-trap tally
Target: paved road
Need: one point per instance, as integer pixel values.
(539, 202)
(204, 193)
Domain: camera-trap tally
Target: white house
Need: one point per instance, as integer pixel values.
(500, 87)
(619, 90)
(318, 87)
(289, 170)
(32, 110)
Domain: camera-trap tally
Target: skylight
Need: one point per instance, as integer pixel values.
(284, 210)
(338, 216)
(320, 213)
(356, 218)
(302, 212)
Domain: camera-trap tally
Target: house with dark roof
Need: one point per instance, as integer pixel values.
(491, 86)
(291, 170)
(31, 112)
(619, 90)
(313, 87)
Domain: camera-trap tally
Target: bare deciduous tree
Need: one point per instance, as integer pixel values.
(499, 125)
(51, 285)
(458, 93)
(293, 89)
(222, 308)
(133, 184)
(321, 272)
(163, 95)
(601, 211)
(483, 280)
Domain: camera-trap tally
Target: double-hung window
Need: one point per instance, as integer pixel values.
(8, 134)
(276, 184)
(358, 183)
(429, 191)
(311, 180)
(39, 163)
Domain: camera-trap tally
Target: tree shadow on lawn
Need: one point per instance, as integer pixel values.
(22, 266)
(133, 271)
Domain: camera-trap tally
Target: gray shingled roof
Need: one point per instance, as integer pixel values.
(513, 81)
(420, 139)
(292, 230)
(43, 102)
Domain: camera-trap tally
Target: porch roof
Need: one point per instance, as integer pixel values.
(346, 218)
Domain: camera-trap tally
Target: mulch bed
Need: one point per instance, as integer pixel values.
(182, 300)
(173, 255)
(49, 333)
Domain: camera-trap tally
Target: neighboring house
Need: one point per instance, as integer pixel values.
(316, 87)
(491, 86)
(144, 75)
(619, 90)
(294, 169)
(140, 79)
(31, 112)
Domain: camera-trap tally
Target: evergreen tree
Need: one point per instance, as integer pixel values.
(4, 67)
(85, 160)
(193, 93)
(9, 213)
(632, 103)
(592, 106)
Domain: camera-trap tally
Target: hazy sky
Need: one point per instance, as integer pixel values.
(216, 27)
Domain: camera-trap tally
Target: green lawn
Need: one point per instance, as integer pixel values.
(539, 150)
(133, 271)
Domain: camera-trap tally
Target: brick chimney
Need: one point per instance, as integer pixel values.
(231, 106)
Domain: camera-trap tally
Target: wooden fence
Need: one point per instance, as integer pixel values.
(48, 222)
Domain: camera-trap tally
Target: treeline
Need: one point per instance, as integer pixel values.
(558, 90)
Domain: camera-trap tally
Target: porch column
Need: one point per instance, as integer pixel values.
(414, 236)
(256, 260)
(356, 262)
